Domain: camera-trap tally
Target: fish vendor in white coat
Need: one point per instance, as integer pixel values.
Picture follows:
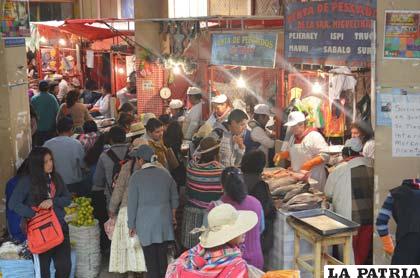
(304, 149)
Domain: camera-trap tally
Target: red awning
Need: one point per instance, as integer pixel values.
(82, 28)
(92, 33)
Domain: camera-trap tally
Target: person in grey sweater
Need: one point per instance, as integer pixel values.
(152, 203)
(230, 134)
(103, 179)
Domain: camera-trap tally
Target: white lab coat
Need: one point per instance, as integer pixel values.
(63, 89)
(369, 149)
(309, 148)
(192, 121)
(124, 96)
(104, 105)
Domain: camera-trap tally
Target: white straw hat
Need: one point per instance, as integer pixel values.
(219, 99)
(193, 91)
(146, 117)
(225, 223)
(262, 109)
(295, 118)
(176, 104)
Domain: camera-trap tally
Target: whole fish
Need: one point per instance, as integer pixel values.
(304, 206)
(303, 198)
(282, 190)
(292, 193)
(278, 182)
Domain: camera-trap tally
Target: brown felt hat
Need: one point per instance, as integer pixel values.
(207, 145)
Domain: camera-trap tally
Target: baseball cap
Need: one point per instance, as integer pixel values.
(193, 91)
(219, 99)
(143, 151)
(355, 144)
(176, 103)
(295, 118)
(262, 109)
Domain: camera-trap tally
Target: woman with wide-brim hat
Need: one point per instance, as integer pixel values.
(218, 253)
(204, 186)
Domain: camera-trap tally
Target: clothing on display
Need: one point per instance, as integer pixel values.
(313, 106)
(340, 79)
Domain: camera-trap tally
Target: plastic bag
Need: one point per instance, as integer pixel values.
(133, 242)
(109, 227)
(254, 272)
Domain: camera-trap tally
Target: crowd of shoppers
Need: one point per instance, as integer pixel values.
(137, 185)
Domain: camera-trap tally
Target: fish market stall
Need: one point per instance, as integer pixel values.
(291, 192)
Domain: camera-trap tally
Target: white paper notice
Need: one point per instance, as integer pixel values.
(89, 59)
(406, 126)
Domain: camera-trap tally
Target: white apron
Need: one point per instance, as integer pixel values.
(301, 153)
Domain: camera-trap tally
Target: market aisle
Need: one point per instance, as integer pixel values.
(104, 270)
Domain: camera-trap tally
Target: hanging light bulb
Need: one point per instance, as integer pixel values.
(62, 42)
(316, 88)
(176, 69)
(240, 82)
(121, 71)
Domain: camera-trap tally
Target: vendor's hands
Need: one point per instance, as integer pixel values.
(46, 204)
(280, 156)
(132, 232)
(388, 244)
(304, 175)
(239, 140)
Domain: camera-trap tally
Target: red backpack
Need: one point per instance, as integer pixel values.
(44, 230)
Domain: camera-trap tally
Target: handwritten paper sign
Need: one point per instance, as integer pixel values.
(406, 126)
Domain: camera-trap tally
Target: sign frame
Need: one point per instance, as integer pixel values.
(385, 36)
(244, 33)
(306, 16)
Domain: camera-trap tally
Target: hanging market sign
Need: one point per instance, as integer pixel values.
(250, 49)
(330, 32)
(402, 35)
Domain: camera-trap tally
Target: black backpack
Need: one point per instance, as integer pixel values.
(118, 163)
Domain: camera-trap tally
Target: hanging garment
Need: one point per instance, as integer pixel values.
(363, 107)
(312, 105)
(339, 82)
(334, 126)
